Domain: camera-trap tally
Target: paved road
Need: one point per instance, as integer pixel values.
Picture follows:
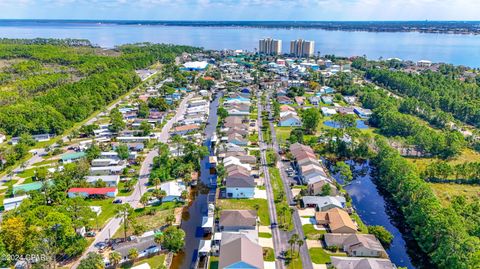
(114, 224)
(304, 254)
(39, 153)
(279, 242)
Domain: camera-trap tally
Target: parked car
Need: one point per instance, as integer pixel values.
(117, 201)
(90, 234)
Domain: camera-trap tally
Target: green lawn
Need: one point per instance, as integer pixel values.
(320, 256)
(150, 221)
(27, 173)
(446, 191)
(45, 162)
(295, 263)
(361, 226)
(283, 133)
(311, 233)
(248, 204)
(108, 210)
(154, 262)
(268, 255)
(121, 189)
(284, 217)
(265, 235)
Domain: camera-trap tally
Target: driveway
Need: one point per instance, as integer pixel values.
(260, 194)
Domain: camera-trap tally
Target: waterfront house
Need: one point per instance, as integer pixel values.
(237, 139)
(239, 185)
(236, 220)
(239, 251)
(324, 203)
(346, 110)
(185, 129)
(315, 185)
(337, 220)
(173, 190)
(361, 263)
(356, 245)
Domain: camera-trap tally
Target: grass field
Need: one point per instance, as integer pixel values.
(320, 256)
(468, 155)
(264, 235)
(445, 191)
(278, 191)
(108, 210)
(283, 133)
(311, 233)
(154, 262)
(248, 204)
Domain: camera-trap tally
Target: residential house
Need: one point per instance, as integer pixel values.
(337, 220)
(324, 203)
(236, 220)
(361, 263)
(12, 203)
(106, 170)
(185, 129)
(284, 100)
(315, 185)
(346, 110)
(285, 108)
(300, 100)
(327, 111)
(238, 251)
(92, 192)
(327, 99)
(239, 186)
(237, 139)
(173, 190)
(71, 157)
(290, 120)
(109, 180)
(363, 112)
(314, 100)
(357, 245)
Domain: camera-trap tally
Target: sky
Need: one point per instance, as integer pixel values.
(308, 10)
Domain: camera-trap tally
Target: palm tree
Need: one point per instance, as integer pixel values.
(156, 181)
(144, 199)
(184, 195)
(115, 258)
(132, 254)
(160, 194)
(300, 244)
(292, 242)
(124, 211)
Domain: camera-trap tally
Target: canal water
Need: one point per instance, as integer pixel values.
(374, 208)
(200, 197)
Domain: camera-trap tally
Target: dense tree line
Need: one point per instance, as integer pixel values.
(439, 91)
(50, 104)
(468, 172)
(388, 110)
(439, 231)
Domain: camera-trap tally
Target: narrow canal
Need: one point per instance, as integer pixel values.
(198, 207)
(375, 209)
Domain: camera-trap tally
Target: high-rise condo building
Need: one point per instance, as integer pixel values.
(302, 48)
(270, 46)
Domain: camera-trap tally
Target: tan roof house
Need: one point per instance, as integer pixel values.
(337, 220)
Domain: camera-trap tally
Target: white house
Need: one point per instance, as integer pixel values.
(12, 203)
(173, 189)
(110, 180)
(326, 111)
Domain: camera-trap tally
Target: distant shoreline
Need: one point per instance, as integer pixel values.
(434, 27)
